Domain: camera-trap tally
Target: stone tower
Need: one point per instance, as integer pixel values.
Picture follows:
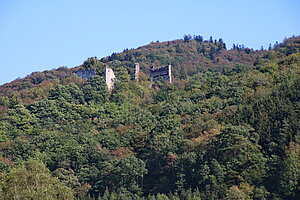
(109, 77)
(136, 72)
(170, 73)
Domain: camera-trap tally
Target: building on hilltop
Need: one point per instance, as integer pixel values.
(109, 77)
(162, 72)
(86, 73)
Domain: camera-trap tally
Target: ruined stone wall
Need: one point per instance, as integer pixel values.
(109, 77)
(162, 72)
(137, 72)
(86, 73)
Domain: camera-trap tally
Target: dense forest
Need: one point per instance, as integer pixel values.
(228, 127)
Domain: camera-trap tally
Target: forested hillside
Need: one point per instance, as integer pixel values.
(227, 128)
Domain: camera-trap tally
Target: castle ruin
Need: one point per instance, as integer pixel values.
(108, 72)
(155, 73)
(162, 72)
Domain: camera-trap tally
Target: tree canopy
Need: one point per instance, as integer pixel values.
(227, 128)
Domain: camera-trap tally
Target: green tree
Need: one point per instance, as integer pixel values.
(32, 181)
(93, 63)
(290, 172)
(122, 175)
(187, 38)
(238, 150)
(21, 118)
(234, 193)
(95, 90)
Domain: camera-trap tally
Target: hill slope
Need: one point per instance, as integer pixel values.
(186, 56)
(228, 128)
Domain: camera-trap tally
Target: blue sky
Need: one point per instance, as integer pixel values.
(37, 35)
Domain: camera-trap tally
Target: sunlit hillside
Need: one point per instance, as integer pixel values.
(227, 127)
